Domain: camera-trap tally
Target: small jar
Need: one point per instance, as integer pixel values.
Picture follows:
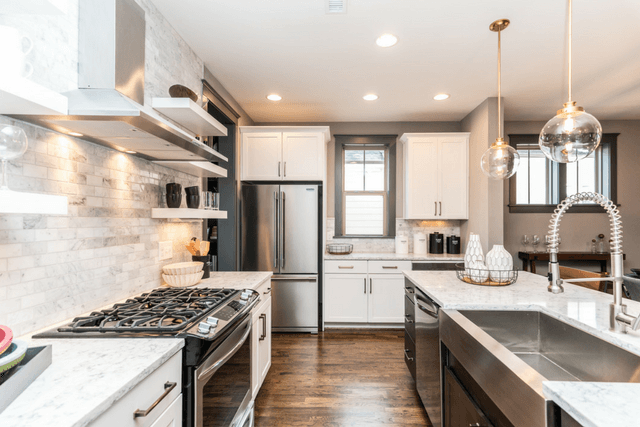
(593, 246)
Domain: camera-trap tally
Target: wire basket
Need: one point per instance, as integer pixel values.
(340, 248)
(485, 277)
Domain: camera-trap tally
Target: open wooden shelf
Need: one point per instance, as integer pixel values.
(22, 96)
(196, 168)
(181, 213)
(190, 115)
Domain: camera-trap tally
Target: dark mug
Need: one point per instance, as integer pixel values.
(193, 200)
(174, 195)
(192, 190)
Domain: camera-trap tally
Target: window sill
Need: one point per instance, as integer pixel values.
(551, 208)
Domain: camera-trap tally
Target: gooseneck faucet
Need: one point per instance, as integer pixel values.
(619, 318)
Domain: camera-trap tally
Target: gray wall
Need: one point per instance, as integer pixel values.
(578, 229)
(485, 195)
(372, 128)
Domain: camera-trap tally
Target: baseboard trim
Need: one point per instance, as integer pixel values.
(398, 326)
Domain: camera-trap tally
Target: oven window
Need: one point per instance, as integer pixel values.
(227, 388)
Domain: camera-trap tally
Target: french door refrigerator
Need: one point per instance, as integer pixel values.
(279, 232)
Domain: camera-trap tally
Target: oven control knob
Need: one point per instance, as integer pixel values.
(246, 295)
(212, 321)
(204, 328)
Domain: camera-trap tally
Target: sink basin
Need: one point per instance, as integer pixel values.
(556, 350)
(504, 357)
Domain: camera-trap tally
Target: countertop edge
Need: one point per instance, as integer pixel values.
(566, 405)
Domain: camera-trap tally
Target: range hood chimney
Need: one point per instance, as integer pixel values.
(108, 106)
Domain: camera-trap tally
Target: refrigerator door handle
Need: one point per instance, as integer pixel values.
(275, 237)
(284, 229)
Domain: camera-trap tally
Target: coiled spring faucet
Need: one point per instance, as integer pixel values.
(620, 320)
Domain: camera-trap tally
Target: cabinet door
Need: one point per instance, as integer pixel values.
(172, 417)
(303, 156)
(345, 298)
(421, 178)
(260, 346)
(262, 156)
(454, 178)
(459, 408)
(386, 298)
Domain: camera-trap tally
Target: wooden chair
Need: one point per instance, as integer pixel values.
(574, 273)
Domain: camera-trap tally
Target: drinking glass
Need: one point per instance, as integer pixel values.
(207, 198)
(535, 241)
(215, 202)
(525, 242)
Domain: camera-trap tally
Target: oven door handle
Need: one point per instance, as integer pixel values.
(226, 357)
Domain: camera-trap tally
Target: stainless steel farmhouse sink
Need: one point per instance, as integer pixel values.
(508, 354)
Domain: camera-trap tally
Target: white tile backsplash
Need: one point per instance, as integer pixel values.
(407, 227)
(56, 267)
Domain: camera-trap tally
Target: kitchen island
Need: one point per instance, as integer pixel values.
(582, 308)
(89, 376)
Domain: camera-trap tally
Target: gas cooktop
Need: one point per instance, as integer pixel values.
(200, 313)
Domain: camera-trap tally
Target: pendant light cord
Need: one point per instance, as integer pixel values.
(499, 86)
(570, 56)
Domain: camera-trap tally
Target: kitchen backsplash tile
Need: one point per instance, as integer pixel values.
(106, 249)
(407, 227)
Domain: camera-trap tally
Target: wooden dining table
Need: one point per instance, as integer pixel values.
(529, 259)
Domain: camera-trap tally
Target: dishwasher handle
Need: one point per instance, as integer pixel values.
(431, 313)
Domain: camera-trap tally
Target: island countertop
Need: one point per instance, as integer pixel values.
(87, 376)
(583, 308)
(392, 256)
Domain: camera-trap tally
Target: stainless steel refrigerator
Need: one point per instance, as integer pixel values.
(279, 232)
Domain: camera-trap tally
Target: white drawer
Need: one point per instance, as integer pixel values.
(143, 395)
(388, 267)
(345, 267)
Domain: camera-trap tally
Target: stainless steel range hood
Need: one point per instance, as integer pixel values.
(108, 106)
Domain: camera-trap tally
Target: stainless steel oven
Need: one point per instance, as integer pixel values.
(223, 382)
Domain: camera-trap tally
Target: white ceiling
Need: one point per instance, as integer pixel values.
(323, 64)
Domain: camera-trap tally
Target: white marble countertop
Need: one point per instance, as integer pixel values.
(592, 404)
(392, 256)
(87, 376)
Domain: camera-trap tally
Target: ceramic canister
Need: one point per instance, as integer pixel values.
(402, 244)
(420, 243)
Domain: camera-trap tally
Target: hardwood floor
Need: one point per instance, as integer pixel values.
(341, 378)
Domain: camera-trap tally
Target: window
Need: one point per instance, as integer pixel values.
(541, 184)
(365, 185)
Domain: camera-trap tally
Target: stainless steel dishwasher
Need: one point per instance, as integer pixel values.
(428, 376)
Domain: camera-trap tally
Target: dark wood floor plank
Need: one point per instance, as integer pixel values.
(339, 378)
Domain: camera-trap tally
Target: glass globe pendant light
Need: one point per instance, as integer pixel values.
(573, 133)
(501, 160)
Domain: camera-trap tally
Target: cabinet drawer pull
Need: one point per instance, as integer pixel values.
(408, 318)
(370, 286)
(168, 387)
(268, 291)
(349, 267)
(365, 285)
(390, 267)
(278, 168)
(435, 203)
(409, 290)
(406, 354)
(264, 327)
(440, 208)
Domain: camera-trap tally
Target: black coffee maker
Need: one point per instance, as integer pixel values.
(436, 243)
(453, 244)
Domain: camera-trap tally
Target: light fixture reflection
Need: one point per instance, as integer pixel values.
(370, 97)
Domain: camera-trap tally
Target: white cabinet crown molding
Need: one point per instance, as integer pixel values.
(325, 130)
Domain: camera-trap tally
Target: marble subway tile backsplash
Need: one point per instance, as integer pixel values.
(407, 227)
(106, 249)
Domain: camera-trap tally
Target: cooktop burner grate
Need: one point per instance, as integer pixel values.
(161, 310)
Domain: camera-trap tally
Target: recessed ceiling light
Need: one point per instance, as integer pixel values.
(75, 134)
(130, 152)
(370, 97)
(441, 96)
(274, 97)
(386, 40)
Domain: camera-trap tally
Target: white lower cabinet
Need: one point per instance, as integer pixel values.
(261, 340)
(157, 387)
(345, 298)
(386, 298)
(375, 297)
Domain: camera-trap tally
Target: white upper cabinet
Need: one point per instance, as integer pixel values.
(295, 153)
(436, 175)
(262, 156)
